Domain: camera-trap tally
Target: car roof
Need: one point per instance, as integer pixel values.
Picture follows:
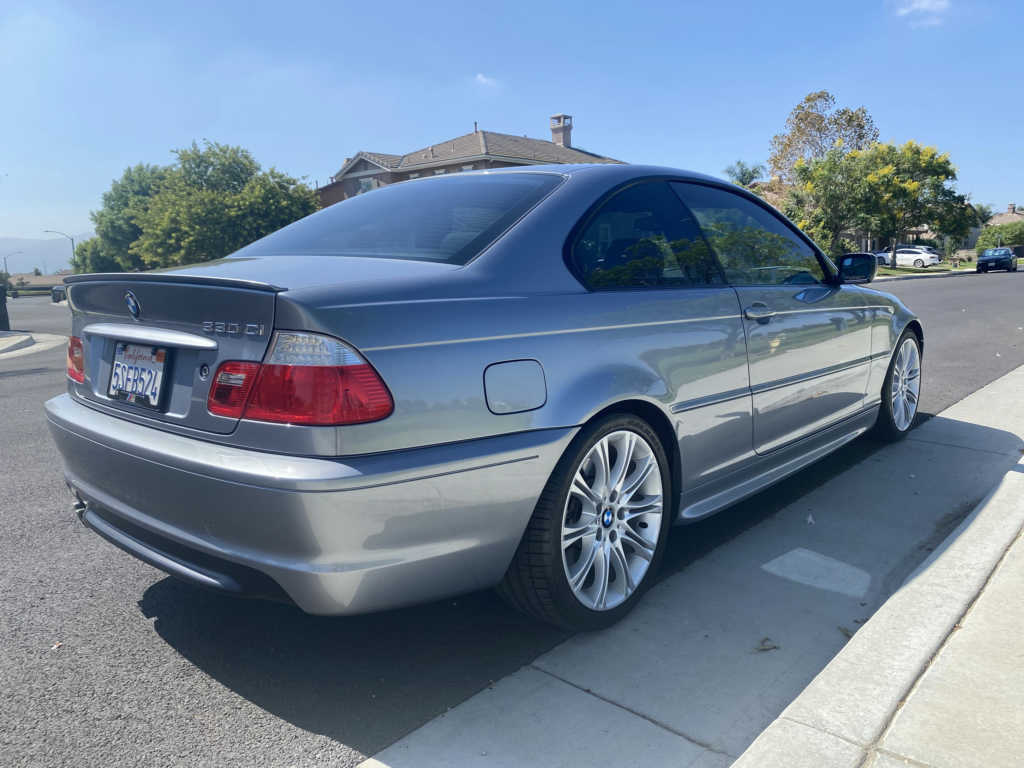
(611, 171)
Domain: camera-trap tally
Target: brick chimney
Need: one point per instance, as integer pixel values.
(1011, 208)
(561, 130)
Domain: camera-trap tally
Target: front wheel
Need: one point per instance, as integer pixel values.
(901, 392)
(918, 263)
(599, 528)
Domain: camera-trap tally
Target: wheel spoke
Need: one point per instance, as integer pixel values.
(622, 461)
(571, 535)
(602, 466)
(583, 490)
(601, 573)
(622, 566)
(641, 547)
(640, 474)
(577, 579)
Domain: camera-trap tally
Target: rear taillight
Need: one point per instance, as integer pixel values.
(305, 379)
(76, 360)
(231, 387)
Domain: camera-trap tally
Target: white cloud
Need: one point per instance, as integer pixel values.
(923, 13)
(484, 80)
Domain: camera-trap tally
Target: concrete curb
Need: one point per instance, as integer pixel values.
(13, 340)
(887, 278)
(839, 719)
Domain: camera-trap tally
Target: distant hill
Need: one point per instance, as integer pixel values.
(49, 253)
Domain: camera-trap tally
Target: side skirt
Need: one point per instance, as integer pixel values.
(773, 467)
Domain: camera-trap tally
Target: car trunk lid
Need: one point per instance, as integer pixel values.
(153, 341)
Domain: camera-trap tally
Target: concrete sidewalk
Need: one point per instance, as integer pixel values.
(714, 653)
(936, 677)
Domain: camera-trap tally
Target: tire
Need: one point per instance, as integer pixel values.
(918, 263)
(537, 581)
(892, 423)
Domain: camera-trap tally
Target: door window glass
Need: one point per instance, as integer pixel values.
(754, 246)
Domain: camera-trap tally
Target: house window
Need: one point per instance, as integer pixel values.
(439, 171)
(365, 185)
(467, 167)
(414, 175)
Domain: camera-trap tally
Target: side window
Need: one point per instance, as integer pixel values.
(754, 246)
(643, 238)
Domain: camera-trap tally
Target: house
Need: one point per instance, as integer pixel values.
(474, 151)
(1010, 216)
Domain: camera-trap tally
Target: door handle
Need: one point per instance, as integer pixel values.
(760, 312)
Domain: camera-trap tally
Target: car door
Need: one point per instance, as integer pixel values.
(643, 257)
(808, 338)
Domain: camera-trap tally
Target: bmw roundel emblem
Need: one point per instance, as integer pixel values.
(133, 304)
(606, 518)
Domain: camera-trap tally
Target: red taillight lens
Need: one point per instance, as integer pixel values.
(313, 394)
(307, 379)
(76, 360)
(231, 387)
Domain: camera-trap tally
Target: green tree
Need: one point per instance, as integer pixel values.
(37, 272)
(910, 186)
(1001, 234)
(827, 198)
(982, 213)
(813, 128)
(92, 255)
(213, 201)
(116, 222)
(744, 175)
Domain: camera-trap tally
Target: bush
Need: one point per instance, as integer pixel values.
(1001, 234)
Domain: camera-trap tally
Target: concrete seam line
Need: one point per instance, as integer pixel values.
(964, 447)
(908, 760)
(641, 715)
(826, 731)
(874, 746)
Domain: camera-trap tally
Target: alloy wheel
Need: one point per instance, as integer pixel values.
(611, 520)
(906, 384)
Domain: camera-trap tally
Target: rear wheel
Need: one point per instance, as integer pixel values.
(599, 528)
(901, 392)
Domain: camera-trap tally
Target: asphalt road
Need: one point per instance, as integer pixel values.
(105, 661)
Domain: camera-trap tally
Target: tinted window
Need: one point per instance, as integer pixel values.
(643, 238)
(754, 246)
(450, 219)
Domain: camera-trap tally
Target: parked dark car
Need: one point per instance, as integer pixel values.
(58, 293)
(999, 258)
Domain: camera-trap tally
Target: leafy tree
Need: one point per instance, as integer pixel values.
(1001, 234)
(827, 198)
(211, 201)
(744, 175)
(813, 128)
(910, 186)
(37, 272)
(215, 200)
(982, 213)
(116, 223)
(93, 255)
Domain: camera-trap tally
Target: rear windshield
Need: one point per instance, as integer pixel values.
(447, 219)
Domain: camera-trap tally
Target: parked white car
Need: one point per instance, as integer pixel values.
(910, 257)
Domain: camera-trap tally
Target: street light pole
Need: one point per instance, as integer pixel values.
(69, 237)
(12, 253)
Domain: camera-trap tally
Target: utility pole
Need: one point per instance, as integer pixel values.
(69, 237)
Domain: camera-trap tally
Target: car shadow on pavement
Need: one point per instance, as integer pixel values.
(368, 680)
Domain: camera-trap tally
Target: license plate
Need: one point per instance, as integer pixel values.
(137, 374)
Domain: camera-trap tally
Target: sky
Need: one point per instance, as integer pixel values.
(88, 89)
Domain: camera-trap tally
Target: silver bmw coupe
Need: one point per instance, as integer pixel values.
(518, 378)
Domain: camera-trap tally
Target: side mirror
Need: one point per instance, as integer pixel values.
(857, 267)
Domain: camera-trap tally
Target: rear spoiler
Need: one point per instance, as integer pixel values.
(165, 277)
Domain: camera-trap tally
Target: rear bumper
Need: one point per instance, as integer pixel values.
(334, 535)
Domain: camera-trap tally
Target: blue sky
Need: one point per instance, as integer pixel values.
(87, 89)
